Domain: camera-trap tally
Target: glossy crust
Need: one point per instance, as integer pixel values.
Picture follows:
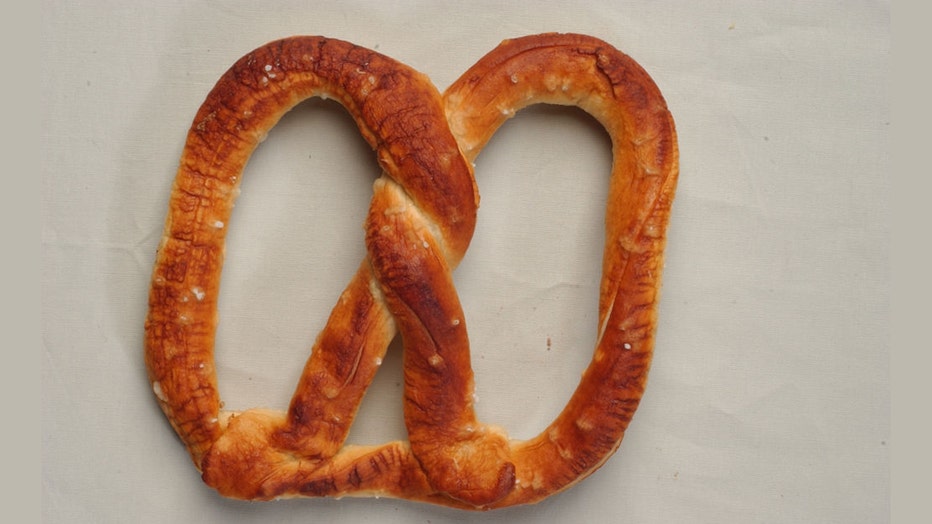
(421, 219)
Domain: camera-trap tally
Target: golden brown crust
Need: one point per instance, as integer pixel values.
(420, 223)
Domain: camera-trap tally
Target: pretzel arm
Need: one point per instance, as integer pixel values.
(461, 458)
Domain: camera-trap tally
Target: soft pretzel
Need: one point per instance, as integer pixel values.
(421, 220)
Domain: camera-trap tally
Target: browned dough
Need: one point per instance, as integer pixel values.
(420, 223)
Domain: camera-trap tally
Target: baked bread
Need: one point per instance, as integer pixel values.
(421, 220)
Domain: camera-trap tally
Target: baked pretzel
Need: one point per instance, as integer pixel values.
(420, 222)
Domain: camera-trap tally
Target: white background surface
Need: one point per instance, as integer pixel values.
(769, 397)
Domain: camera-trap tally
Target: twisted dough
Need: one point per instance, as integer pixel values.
(420, 223)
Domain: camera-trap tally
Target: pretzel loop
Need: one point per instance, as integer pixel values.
(420, 222)
(398, 112)
(477, 463)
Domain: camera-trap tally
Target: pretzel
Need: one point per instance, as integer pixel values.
(421, 220)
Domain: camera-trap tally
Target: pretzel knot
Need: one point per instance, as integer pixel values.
(419, 225)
